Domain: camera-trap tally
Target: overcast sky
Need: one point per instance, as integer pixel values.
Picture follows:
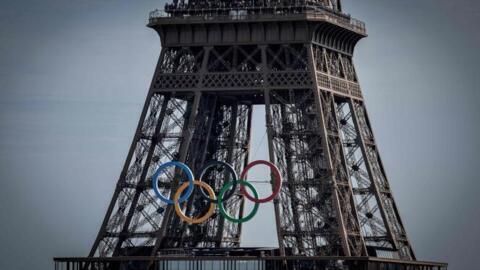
(74, 75)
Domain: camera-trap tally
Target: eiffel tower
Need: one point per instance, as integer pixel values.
(220, 58)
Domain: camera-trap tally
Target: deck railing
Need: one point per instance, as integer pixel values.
(242, 263)
(251, 13)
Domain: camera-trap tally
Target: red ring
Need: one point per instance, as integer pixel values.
(276, 173)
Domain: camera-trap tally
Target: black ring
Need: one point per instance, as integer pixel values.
(232, 172)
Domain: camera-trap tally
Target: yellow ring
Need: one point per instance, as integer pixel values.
(211, 210)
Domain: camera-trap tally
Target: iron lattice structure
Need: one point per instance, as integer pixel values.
(218, 59)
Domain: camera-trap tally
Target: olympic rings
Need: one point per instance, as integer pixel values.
(275, 172)
(226, 192)
(232, 172)
(210, 211)
(184, 168)
(222, 209)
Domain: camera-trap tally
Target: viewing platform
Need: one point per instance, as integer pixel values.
(256, 14)
(244, 263)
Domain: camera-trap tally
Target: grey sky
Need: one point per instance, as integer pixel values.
(74, 75)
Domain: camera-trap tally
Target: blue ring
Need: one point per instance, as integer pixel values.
(184, 168)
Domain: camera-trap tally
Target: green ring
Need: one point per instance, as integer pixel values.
(222, 209)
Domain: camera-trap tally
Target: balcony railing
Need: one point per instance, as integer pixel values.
(250, 13)
(242, 263)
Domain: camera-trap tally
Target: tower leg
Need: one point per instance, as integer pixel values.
(132, 178)
(187, 138)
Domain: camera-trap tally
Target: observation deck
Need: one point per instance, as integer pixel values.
(172, 16)
(243, 262)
